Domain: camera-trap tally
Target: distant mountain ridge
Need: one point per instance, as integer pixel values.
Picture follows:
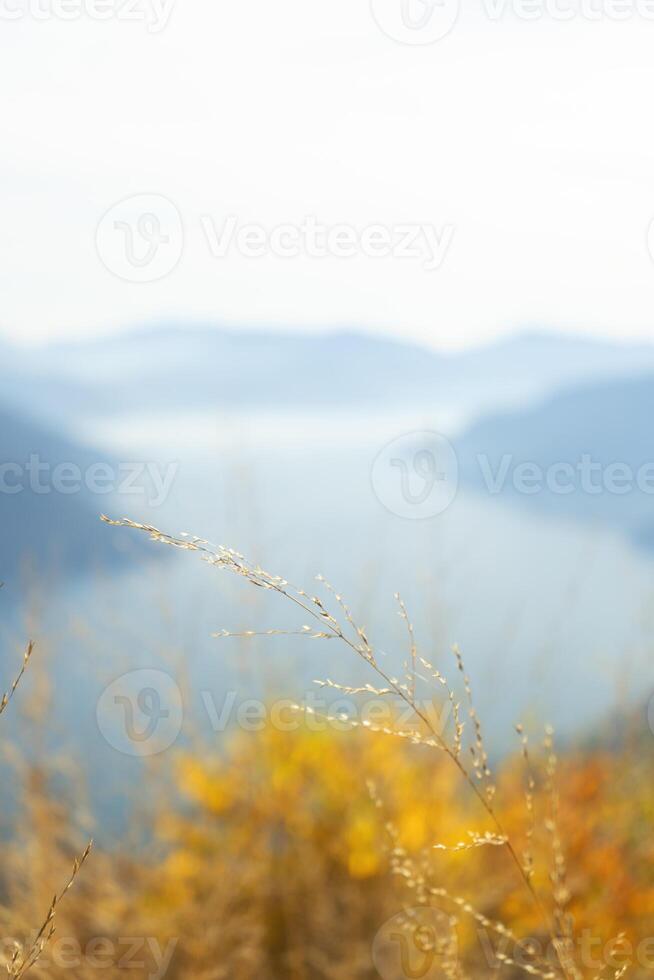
(539, 398)
(602, 431)
(197, 367)
(49, 517)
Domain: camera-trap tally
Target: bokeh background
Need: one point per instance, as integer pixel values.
(363, 290)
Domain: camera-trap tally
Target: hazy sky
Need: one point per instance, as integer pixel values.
(524, 147)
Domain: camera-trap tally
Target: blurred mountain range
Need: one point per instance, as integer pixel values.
(48, 508)
(537, 397)
(192, 368)
(587, 452)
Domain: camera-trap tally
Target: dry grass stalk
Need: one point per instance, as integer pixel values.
(530, 789)
(23, 960)
(479, 778)
(8, 695)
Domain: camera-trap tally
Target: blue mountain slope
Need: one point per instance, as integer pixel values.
(190, 367)
(597, 439)
(44, 520)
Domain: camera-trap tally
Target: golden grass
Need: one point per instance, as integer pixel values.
(268, 857)
(25, 957)
(541, 874)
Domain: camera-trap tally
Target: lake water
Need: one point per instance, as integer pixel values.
(553, 618)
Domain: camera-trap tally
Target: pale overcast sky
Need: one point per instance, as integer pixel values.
(527, 147)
